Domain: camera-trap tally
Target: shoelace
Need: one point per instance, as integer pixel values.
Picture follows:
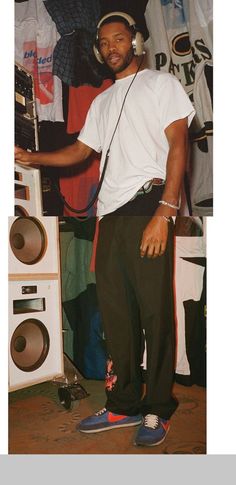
(151, 421)
(102, 411)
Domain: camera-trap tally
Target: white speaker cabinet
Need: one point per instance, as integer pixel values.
(28, 191)
(33, 247)
(35, 321)
(35, 332)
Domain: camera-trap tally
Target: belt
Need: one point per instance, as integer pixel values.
(147, 187)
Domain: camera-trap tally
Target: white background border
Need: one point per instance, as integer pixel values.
(221, 240)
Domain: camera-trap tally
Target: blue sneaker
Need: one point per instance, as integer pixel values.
(153, 431)
(104, 420)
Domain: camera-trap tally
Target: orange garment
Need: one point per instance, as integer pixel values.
(79, 183)
(79, 102)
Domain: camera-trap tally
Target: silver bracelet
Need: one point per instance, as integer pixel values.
(168, 219)
(163, 202)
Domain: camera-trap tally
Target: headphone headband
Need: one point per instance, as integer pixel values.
(124, 15)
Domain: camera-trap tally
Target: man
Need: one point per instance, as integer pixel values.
(141, 123)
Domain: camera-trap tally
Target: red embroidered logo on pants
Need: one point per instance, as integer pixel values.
(110, 378)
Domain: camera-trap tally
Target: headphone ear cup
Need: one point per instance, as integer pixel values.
(98, 55)
(138, 44)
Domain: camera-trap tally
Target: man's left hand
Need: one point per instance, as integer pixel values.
(154, 238)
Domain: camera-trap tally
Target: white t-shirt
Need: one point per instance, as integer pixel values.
(140, 148)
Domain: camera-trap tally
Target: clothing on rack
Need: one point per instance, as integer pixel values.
(189, 278)
(35, 38)
(79, 102)
(78, 184)
(73, 60)
(180, 42)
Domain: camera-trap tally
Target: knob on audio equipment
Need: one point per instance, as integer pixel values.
(28, 290)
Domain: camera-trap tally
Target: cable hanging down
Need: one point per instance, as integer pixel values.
(95, 196)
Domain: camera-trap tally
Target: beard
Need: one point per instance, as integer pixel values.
(126, 62)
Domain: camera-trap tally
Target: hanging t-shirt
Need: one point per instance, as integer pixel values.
(78, 184)
(35, 39)
(140, 148)
(180, 42)
(188, 286)
(80, 100)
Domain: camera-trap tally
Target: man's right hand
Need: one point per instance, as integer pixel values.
(69, 155)
(23, 156)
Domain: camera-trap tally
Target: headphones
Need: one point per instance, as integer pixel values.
(137, 37)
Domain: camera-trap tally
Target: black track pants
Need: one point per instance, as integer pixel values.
(136, 293)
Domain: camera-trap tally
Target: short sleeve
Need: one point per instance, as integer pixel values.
(174, 103)
(90, 133)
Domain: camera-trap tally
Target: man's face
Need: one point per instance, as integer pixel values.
(115, 46)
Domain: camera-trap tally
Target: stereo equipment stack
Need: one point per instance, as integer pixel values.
(28, 191)
(26, 126)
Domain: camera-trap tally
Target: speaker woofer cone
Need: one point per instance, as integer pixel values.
(20, 211)
(29, 345)
(28, 240)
